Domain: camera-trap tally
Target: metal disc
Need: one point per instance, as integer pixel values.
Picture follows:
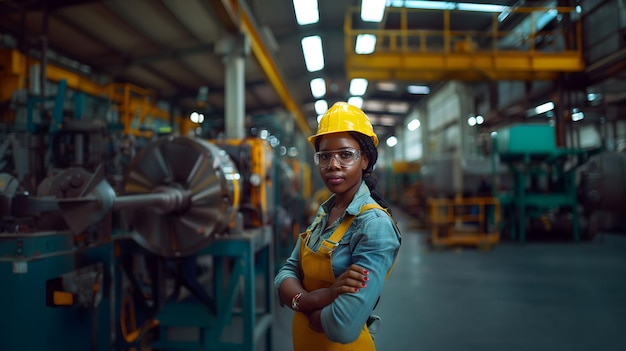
(200, 170)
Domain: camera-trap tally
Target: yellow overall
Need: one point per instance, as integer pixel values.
(317, 274)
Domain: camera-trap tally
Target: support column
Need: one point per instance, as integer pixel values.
(234, 50)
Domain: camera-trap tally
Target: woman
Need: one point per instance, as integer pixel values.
(335, 274)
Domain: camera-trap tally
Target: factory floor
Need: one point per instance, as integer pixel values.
(540, 295)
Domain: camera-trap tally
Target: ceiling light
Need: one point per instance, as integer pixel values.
(387, 120)
(471, 120)
(306, 11)
(374, 105)
(593, 97)
(358, 86)
(313, 53)
(321, 106)
(365, 44)
(414, 124)
(544, 108)
(577, 116)
(318, 87)
(356, 101)
(387, 86)
(372, 10)
(392, 141)
(480, 119)
(398, 107)
(418, 89)
(429, 5)
(319, 118)
(194, 117)
(481, 7)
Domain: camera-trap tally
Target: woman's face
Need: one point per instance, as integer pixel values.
(340, 177)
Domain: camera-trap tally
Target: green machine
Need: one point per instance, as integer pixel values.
(544, 188)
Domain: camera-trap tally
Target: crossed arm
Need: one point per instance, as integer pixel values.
(353, 279)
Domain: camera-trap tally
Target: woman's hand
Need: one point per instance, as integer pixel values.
(352, 280)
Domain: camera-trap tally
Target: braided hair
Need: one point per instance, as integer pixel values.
(367, 146)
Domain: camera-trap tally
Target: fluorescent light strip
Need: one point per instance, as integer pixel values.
(414, 124)
(372, 10)
(318, 87)
(306, 11)
(418, 89)
(356, 101)
(358, 86)
(548, 106)
(313, 53)
(365, 44)
(321, 106)
(449, 5)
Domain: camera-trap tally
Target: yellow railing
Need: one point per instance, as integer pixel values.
(136, 106)
(404, 43)
(464, 221)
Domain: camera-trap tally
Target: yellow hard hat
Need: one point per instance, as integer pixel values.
(343, 117)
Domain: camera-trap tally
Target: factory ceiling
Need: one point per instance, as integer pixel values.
(176, 49)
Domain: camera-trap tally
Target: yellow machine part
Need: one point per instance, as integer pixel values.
(132, 102)
(260, 170)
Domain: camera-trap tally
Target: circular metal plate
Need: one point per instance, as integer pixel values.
(199, 169)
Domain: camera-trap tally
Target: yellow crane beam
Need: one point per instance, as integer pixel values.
(463, 66)
(407, 53)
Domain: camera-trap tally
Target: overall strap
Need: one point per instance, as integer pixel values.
(330, 243)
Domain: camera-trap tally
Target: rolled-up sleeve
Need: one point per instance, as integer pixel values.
(374, 246)
(291, 268)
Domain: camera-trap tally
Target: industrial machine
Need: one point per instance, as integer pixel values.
(172, 251)
(200, 268)
(119, 232)
(544, 196)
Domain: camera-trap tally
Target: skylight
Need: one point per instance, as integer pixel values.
(358, 86)
(372, 10)
(313, 53)
(365, 44)
(318, 87)
(306, 11)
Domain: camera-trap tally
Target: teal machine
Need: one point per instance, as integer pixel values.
(195, 274)
(54, 267)
(544, 189)
(167, 264)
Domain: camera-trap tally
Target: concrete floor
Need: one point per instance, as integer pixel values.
(532, 296)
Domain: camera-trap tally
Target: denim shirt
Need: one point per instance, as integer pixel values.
(372, 242)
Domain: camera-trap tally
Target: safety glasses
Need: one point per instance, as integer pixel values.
(345, 157)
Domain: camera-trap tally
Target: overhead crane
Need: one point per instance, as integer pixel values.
(407, 53)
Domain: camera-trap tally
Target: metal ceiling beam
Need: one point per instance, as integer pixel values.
(119, 12)
(119, 62)
(236, 16)
(40, 5)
